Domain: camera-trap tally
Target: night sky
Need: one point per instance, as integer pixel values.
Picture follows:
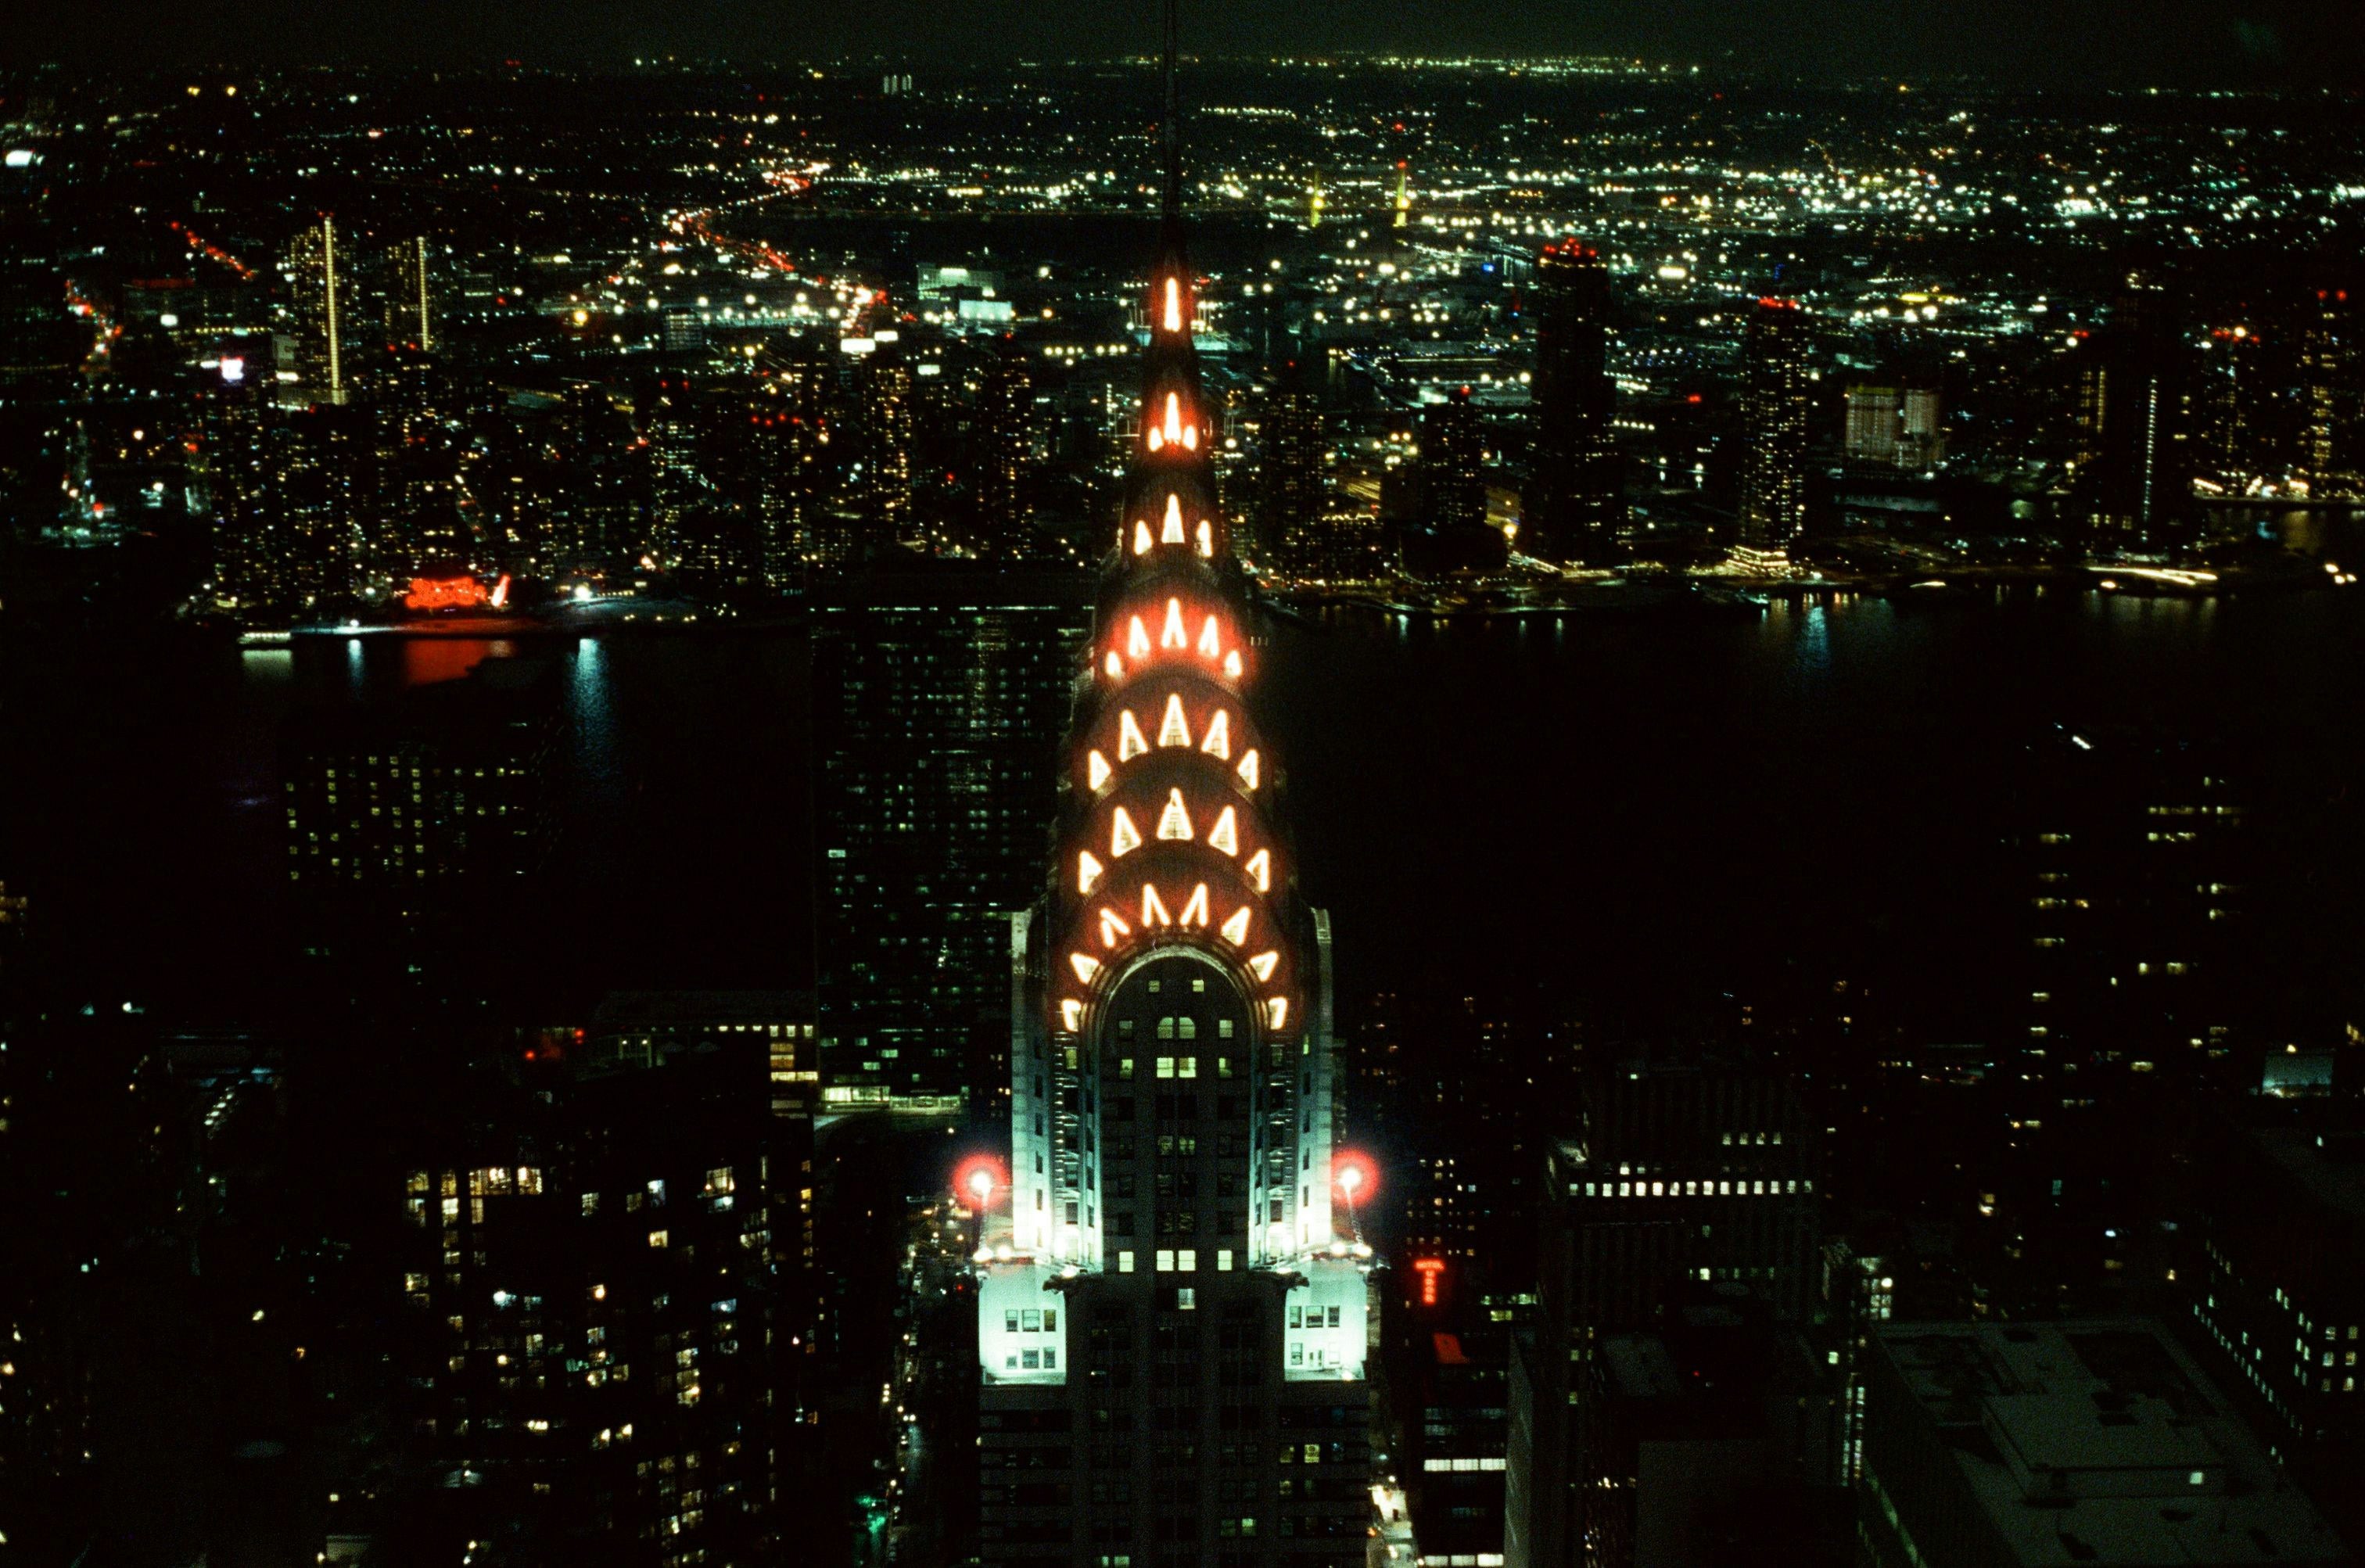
(2054, 42)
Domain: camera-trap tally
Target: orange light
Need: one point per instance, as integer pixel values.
(447, 593)
(1174, 304)
(1429, 1269)
(976, 1180)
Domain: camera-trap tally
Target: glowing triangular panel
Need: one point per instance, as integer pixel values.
(1096, 770)
(1173, 636)
(1206, 539)
(1113, 927)
(1114, 665)
(1174, 416)
(1174, 304)
(1260, 867)
(1171, 534)
(1174, 822)
(1141, 539)
(1264, 964)
(1194, 911)
(1236, 930)
(1211, 639)
(1226, 834)
(1232, 664)
(1130, 741)
(1174, 729)
(1191, 438)
(1248, 769)
(1276, 1012)
(1123, 835)
(1153, 908)
(1219, 742)
(1137, 640)
(1071, 1016)
(1085, 966)
(1088, 871)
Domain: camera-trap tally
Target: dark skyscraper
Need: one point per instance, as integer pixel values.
(1576, 501)
(1453, 465)
(318, 274)
(1004, 436)
(883, 421)
(410, 294)
(2333, 362)
(933, 691)
(2134, 471)
(1171, 1327)
(1290, 449)
(1774, 420)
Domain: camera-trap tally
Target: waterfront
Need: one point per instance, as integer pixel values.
(1637, 804)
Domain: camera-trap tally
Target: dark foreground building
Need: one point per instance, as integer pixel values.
(1171, 1330)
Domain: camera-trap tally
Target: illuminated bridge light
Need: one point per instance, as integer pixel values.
(1226, 834)
(1137, 640)
(1153, 908)
(1141, 538)
(1248, 768)
(1195, 909)
(1260, 867)
(1072, 1014)
(1211, 639)
(1088, 872)
(1172, 532)
(1264, 964)
(1174, 729)
(1218, 741)
(1085, 966)
(1122, 836)
(1276, 1012)
(1174, 822)
(1096, 773)
(1236, 929)
(1113, 927)
(1173, 636)
(1130, 741)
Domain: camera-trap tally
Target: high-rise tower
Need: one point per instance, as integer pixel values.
(1171, 1328)
(1576, 500)
(1773, 409)
(315, 301)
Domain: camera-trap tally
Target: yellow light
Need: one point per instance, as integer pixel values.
(1124, 836)
(1173, 636)
(1171, 533)
(1174, 822)
(1129, 741)
(1226, 834)
(1174, 729)
(1236, 929)
(1248, 769)
(1219, 742)
(1153, 908)
(1096, 773)
(1232, 664)
(1085, 966)
(1174, 304)
(1088, 871)
(1156, 440)
(1113, 927)
(1141, 539)
(1071, 1016)
(1264, 964)
(1174, 418)
(1276, 1010)
(1194, 911)
(1137, 640)
(1211, 639)
(1206, 539)
(1114, 665)
(1260, 868)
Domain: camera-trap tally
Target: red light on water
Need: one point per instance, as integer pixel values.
(977, 1179)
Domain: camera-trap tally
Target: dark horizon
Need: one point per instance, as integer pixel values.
(2183, 44)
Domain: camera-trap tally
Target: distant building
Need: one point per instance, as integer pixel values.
(1576, 504)
(1454, 464)
(318, 286)
(1874, 423)
(1003, 440)
(1775, 408)
(410, 285)
(587, 1340)
(1683, 1191)
(2085, 1440)
(2133, 475)
(934, 695)
(884, 416)
(1292, 481)
(2333, 367)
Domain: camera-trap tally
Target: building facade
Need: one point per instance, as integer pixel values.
(1775, 408)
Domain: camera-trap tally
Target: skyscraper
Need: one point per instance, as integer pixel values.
(316, 306)
(1170, 1328)
(1003, 435)
(2134, 473)
(1576, 500)
(1774, 407)
(410, 294)
(2333, 367)
(1290, 451)
(883, 418)
(1453, 464)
